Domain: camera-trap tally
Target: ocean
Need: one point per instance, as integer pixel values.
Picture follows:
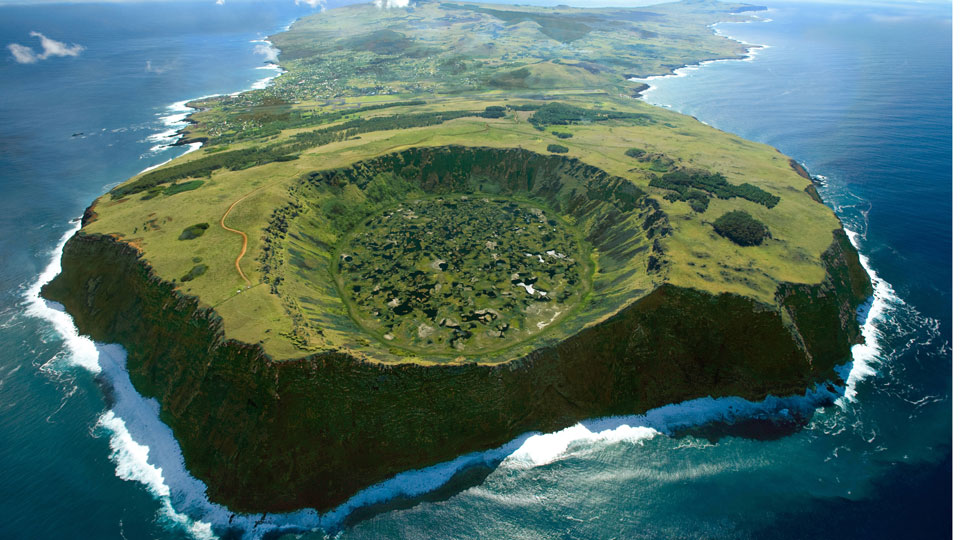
(860, 95)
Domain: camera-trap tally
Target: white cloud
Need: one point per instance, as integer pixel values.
(157, 69)
(51, 47)
(322, 4)
(220, 2)
(22, 54)
(391, 3)
(268, 51)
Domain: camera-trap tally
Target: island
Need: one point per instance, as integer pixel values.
(449, 224)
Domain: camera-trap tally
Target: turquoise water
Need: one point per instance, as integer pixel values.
(860, 95)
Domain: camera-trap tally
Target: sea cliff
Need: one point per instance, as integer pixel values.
(279, 435)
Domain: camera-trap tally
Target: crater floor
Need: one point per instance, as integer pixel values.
(460, 273)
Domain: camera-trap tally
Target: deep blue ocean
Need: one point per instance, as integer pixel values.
(860, 95)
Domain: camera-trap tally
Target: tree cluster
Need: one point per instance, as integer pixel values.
(694, 187)
(741, 228)
(561, 114)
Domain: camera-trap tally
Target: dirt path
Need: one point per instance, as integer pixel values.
(243, 249)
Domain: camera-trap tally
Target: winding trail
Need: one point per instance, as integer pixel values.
(243, 249)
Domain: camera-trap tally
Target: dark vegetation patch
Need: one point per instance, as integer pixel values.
(156, 191)
(494, 111)
(272, 123)
(380, 42)
(455, 65)
(234, 160)
(811, 190)
(560, 27)
(561, 135)
(250, 157)
(658, 162)
(195, 272)
(741, 228)
(194, 231)
(562, 114)
(181, 187)
(557, 148)
(690, 185)
(516, 78)
(696, 187)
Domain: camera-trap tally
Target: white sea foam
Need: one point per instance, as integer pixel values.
(868, 353)
(143, 448)
(174, 118)
(192, 147)
(270, 53)
(265, 82)
(79, 350)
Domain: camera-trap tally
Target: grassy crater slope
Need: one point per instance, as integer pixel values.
(616, 227)
(230, 274)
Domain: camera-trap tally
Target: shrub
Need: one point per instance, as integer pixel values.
(194, 231)
(557, 149)
(562, 135)
(494, 111)
(173, 189)
(715, 184)
(195, 272)
(635, 153)
(562, 114)
(697, 200)
(526, 107)
(741, 228)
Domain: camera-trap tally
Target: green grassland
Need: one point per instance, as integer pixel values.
(360, 56)
(386, 88)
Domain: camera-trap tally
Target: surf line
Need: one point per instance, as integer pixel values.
(683, 71)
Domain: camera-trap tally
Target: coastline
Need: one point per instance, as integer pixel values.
(133, 437)
(142, 446)
(180, 111)
(646, 83)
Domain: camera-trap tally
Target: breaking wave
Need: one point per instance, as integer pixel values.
(751, 54)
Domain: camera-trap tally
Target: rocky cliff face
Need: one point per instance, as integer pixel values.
(275, 436)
